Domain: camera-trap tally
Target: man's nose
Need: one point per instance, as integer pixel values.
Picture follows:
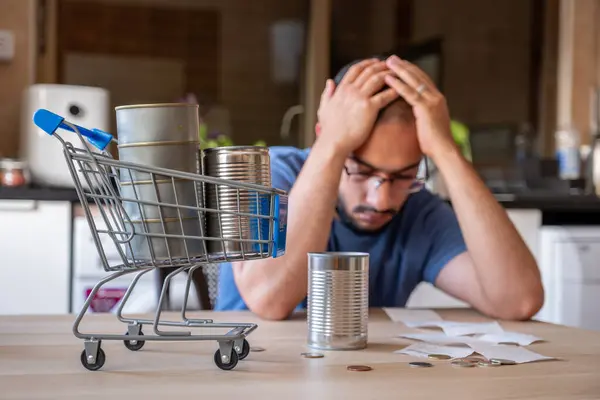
(379, 195)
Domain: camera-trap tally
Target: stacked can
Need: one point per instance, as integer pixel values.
(166, 136)
(245, 164)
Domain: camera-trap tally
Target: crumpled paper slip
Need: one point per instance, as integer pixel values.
(518, 354)
(454, 328)
(438, 338)
(423, 350)
(411, 315)
(521, 339)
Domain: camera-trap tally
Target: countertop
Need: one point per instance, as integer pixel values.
(39, 359)
(550, 202)
(39, 193)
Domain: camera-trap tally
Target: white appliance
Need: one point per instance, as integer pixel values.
(88, 270)
(570, 268)
(83, 105)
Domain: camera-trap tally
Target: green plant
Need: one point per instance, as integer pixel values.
(460, 133)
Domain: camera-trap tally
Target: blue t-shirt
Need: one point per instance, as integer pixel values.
(413, 247)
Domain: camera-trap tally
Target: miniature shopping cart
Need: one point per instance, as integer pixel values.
(175, 236)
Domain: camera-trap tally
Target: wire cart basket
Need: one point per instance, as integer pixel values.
(175, 235)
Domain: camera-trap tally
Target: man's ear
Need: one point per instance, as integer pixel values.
(317, 129)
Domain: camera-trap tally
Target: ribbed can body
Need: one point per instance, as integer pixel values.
(245, 164)
(165, 136)
(338, 300)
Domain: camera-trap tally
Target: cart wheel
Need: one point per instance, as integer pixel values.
(134, 346)
(100, 359)
(245, 350)
(232, 363)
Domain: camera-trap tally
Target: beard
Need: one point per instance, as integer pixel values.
(347, 219)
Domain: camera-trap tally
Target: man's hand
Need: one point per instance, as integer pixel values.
(347, 113)
(429, 105)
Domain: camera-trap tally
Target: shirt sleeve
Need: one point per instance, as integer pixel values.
(445, 238)
(282, 174)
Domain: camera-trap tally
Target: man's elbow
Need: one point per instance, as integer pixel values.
(525, 306)
(270, 312)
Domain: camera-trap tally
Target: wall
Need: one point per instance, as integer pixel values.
(255, 103)
(18, 16)
(487, 47)
(579, 64)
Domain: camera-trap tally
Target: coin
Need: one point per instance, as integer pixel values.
(440, 356)
(419, 364)
(502, 361)
(312, 355)
(462, 364)
(467, 360)
(475, 359)
(358, 368)
(257, 349)
(487, 364)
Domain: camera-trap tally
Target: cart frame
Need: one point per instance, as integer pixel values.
(99, 178)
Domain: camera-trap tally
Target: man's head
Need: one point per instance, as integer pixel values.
(379, 175)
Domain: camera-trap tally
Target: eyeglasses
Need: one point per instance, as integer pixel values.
(362, 172)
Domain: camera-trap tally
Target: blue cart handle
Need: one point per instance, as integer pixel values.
(50, 122)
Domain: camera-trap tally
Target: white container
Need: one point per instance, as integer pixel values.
(82, 105)
(567, 153)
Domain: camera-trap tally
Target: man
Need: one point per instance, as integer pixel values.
(357, 189)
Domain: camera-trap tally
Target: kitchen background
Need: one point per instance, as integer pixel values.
(514, 72)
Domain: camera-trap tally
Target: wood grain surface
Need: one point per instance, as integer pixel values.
(39, 359)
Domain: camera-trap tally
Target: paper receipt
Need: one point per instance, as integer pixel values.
(423, 350)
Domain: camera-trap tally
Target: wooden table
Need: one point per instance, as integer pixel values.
(39, 358)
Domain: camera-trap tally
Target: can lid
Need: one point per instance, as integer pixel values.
(338, 254)
(226, 149)
(130, 106)
(11, 163)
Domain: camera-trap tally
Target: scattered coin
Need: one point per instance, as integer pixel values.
(475, 359)
(487, 364)
(359, 368)
(468, 360)
(257, 349)
(440, 356)
(419, 364)
(463, 364)
(502, 361)
(312, 355)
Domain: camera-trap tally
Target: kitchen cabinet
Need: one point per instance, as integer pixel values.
(570, 268)
(35, 248)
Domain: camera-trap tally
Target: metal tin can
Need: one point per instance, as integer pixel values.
(245, 164)
(14, 173)
(165, 136)
(338, 300)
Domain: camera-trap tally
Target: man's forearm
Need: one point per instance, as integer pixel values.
(274, 287)
(504, 266)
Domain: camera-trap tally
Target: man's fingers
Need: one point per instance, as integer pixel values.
(408, 93)
(411, 75)
(369, 72)
(384, 98)
(355, 70)
(419, 73)
(375, 83)
(328, 90)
